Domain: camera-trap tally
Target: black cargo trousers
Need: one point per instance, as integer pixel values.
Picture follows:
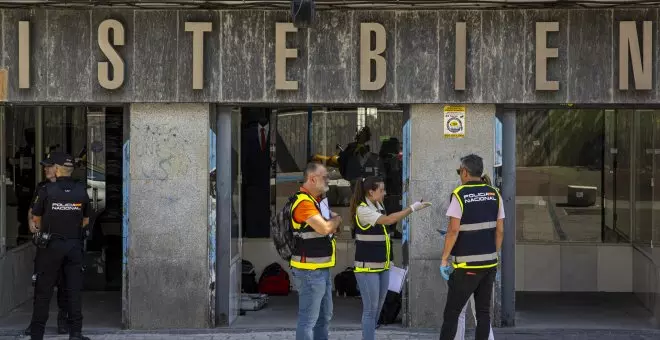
(66, 256)
(463, 283)
(62, 315)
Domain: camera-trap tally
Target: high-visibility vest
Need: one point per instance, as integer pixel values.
(475, 246)
(372, 247)
(313, 250)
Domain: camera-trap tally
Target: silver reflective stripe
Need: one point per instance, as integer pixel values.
(373, 265)
(308, 235)
(478, 226)
(308, 259)
(369, 238)
(476, 258)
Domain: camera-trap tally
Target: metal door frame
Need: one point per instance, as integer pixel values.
(3, 186)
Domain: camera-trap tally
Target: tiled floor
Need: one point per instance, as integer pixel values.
(581, 311)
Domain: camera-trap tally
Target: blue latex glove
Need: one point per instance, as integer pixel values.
(498, 277)
(445, 271)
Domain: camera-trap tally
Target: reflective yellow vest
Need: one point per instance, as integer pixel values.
(372, 247)
(475, 245)
(313, 250)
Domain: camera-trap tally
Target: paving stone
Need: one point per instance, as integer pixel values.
(500, 334)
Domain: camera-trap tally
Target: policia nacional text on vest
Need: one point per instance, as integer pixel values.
(63, 206)
(312, 250)
(475, 246)
(372, 247)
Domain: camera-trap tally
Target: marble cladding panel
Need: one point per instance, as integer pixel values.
(632, 95)
(69, 55)
(332, 65)
(211, 90)
(590, 56)
(243, 60)
(157, 58)
(447, 55)
(127, 19)
(417, 63)
(557, 68)
(503, 51)
(388, 19)
(39, 40)
(239, 56)
(296, 69)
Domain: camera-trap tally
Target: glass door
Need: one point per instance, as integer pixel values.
(92, 159)
(655, 186)
(644, 181)
(609, 175)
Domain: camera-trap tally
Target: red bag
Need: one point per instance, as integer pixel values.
(274, 280)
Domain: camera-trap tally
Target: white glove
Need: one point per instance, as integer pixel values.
(417, 206)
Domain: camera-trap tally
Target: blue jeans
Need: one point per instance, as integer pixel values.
(314, 303)
(373, 289)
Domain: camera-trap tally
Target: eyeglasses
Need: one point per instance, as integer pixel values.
(458, 171)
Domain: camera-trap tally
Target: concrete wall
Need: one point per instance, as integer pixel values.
(16, 266)
(574, 267)
(168, 258)
(646, 280)
(239, 56)
(433, 165)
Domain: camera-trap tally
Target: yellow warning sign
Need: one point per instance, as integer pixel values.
(454, 121)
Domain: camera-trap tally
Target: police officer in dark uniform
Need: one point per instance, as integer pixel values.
(62, 328)
(61, 211)
(474, 238)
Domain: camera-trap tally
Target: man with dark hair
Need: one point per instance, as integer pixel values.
(60, 212)
(62, 323)
(474, 238)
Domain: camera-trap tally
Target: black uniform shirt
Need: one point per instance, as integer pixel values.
(63, 216)
(39, 186)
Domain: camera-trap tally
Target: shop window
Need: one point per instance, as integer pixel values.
(322, 135)
(573, 175)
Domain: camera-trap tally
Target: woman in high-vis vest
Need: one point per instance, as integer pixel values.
(373, 247)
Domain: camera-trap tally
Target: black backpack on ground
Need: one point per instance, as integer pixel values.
(248, 278)
(391, 308)
(346, 284)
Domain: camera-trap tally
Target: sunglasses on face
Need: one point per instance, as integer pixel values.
(458, 172)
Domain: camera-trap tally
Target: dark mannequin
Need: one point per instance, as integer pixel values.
(256, 172)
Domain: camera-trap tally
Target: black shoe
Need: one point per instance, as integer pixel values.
(78, 336)
(28, 330)
(62, 329)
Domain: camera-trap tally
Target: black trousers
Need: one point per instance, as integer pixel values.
(63, 256)
(60, 284)
(462, 284)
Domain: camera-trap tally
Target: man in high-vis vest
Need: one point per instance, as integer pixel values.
(474, 238)
(313, 255)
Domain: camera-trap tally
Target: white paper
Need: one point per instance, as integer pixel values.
(397, 277)
(325, 208)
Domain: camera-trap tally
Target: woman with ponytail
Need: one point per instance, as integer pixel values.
(373, 246)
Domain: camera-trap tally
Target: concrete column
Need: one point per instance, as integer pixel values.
(168, 263)
(433, 163)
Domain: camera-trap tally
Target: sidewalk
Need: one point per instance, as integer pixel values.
(500, 334)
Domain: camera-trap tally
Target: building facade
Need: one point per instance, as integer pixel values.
(159, 97)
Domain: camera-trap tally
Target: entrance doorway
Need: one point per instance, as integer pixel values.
(93, 136)
(273, 146)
